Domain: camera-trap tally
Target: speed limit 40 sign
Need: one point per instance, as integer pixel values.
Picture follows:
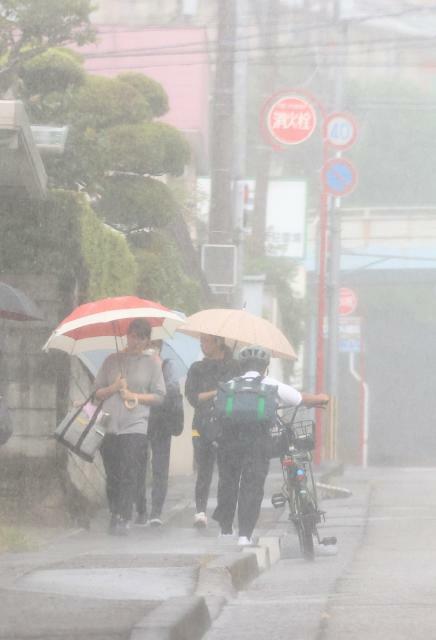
(340, 130)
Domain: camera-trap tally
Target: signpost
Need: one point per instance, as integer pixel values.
(288, 120)
(349, 334)
(339, 176)
(340, 130)
(347, 301)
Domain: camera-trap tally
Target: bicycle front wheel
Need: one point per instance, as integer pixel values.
(306, 525)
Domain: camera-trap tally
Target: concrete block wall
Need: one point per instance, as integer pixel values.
(32, 469)
(28, 377)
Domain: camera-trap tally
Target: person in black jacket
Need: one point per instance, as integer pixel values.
(200, 389)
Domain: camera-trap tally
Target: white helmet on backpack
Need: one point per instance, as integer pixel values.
(254, 353)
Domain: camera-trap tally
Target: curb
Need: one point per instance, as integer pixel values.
(273, 546)
(188, 618)
(184, 618)
(223, 577)
(240, 567)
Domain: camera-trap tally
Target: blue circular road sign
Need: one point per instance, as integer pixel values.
(340, 176)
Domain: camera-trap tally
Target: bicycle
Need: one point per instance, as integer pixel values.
(293, 442)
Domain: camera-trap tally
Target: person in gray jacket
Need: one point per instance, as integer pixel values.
(129, 383)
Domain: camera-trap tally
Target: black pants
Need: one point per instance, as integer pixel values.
(122, 459)
(160, 465)
(242, 467)
(111, 463)
(204, 458)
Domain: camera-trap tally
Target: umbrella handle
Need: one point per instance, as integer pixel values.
(131, 404)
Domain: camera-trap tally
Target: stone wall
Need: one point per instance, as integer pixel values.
(34, 479)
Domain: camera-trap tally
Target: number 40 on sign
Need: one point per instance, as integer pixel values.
(340, 130)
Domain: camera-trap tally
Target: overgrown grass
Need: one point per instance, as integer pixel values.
(13, 539)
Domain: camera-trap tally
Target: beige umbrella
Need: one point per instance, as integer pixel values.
(240, 327)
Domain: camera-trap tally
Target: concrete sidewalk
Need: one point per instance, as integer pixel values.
(156, 583)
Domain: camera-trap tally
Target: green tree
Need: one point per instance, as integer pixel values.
(115, 149)
(164, 279)
(29, 28)
(128, 199)
(63, 236)
(47, 82)
(150, 89)
(116, 152)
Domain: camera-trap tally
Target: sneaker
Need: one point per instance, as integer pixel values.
(227, 532)
(155, 522)
(141, 520)
(122, 528)
(227, 537)
(243, 541)
(200, 520)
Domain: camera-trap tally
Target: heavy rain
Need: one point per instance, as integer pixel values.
(217, 327)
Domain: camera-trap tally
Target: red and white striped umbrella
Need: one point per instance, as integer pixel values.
(103, 324)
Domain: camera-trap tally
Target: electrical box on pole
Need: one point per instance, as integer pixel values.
(219, 263)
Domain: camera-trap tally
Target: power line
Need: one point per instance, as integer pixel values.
(330, 58)
(283, 62)
(290, 31)
(403, 43)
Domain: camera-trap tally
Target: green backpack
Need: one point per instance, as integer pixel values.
(246, 402)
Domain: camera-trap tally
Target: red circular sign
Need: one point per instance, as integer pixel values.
(290, 120)
(347, 301)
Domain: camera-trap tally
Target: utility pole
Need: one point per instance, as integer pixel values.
(221, 199)
(240, 148)
(267, 40)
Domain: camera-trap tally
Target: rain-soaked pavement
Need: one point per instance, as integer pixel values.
(89, 584)
(379, 582)
(380, 585)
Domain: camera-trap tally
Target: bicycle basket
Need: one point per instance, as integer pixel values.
(303, 435)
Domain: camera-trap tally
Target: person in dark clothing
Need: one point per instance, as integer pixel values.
(243, 456)
(200, 389)
(159, 438)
